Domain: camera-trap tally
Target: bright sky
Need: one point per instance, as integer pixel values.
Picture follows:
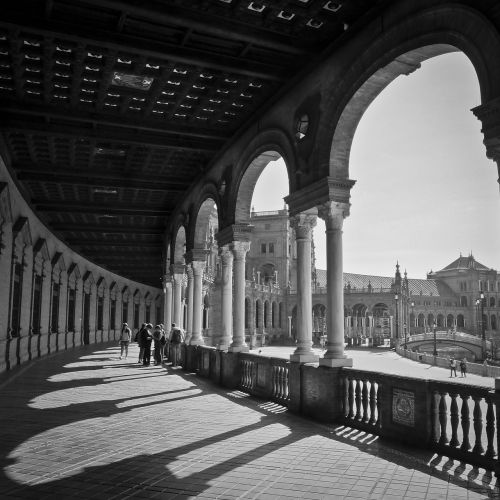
(425, 190)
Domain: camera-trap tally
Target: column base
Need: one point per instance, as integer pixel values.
(304, 358)
(336, 362)
(238, 348)
(196, 342)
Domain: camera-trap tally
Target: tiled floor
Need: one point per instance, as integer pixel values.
(84, 424)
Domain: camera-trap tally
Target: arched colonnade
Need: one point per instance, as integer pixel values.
(312, 127)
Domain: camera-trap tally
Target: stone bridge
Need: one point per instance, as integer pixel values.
(472, 343)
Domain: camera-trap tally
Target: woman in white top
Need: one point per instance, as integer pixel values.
(125, 338)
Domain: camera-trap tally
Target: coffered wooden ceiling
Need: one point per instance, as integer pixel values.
(110, 109)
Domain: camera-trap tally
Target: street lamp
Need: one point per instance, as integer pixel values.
(480, 305)
(434, 328)
(396, 297)
(412, 315)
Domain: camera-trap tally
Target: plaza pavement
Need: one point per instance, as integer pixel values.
(85, 424)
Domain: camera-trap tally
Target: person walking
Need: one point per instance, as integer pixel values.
(453, 367)
(159, 343)
(145, 339)
(176, 339)
(125, 337)
(463, 367)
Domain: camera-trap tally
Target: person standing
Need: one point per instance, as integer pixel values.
(453, 367)
(463, 367)
(176, 339)
(159, 343)
(145, 339)
(125, 337)
(138, 340)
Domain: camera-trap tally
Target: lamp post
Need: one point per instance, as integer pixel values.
(412, 317)
(396, 297)
(434, 328)
(480, 306)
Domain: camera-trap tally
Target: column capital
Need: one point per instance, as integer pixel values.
(303, 224)
(198, 266)
(226, 254)
(239, 249)
(334, 213)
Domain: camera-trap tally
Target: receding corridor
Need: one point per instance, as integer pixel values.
(84, 424)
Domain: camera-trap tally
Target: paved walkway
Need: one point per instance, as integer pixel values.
(84, 424)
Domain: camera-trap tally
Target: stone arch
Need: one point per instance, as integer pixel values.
(179, 247)
(400, 49)
(205, 221)
(267, 146)
(207, 203)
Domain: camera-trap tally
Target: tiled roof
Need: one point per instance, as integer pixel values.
(465, 263)
(427, 287)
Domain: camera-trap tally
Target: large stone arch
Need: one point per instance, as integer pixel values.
(201, 218)
(400, 49)
(179, 245)
(269, 145)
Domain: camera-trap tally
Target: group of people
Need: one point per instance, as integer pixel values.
(155, 338)
(453, 367)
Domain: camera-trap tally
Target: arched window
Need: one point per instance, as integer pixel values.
(280, 315)
(460, 321)
(421, 320)
(266, 313)
(257, 314)
(463, 301)
(449, 321)
(492, 301)
(493, 322)
(273, 315)
(440, 320)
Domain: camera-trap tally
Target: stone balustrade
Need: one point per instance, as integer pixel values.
(449, 418)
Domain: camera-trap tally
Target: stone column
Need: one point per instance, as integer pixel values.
(167, 316)
(303, 224)
(198, 267)
(239, 249)
(5, 272)
(27, 292)
(62, 325)
(189, 292)
(178, 296)
(106, 313)
(226, 298)
(46, 297)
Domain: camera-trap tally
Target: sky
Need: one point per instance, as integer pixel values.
(425, 191)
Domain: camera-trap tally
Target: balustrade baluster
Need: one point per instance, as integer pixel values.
(454, 419)
(490, 429)
(281, 382)
(435, 416)
(364, 399)
(350, 399)
(465, 423)
(358, 400)
(443, 418)
(373, 403)
(478, 425)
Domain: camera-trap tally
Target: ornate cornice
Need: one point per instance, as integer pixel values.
(318, 193)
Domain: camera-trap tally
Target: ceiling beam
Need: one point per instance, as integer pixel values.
(81, 178)
(101, 175)
(75, 227)
(19, 124)
(105, 119)
(120, 42)
(214, 25)
(93, 208)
